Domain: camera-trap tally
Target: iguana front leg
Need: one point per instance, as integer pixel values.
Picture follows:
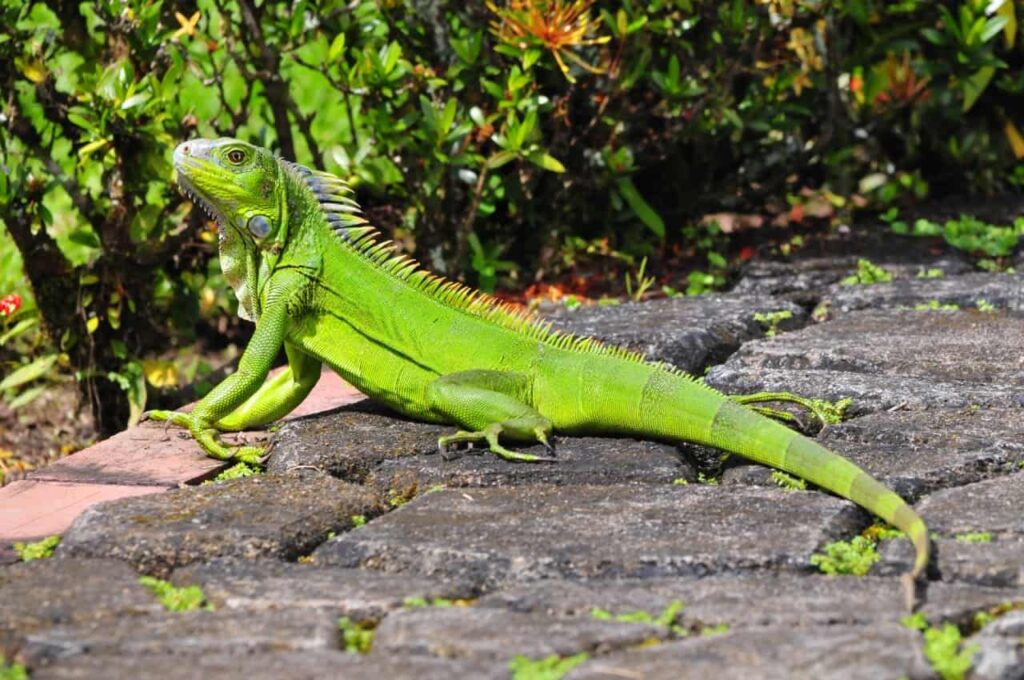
(236, 390)
(490, 405)
(278, 396)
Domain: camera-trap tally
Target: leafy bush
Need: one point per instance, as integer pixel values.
(481, 136)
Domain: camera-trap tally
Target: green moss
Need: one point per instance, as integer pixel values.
(549, 668)
(788, 482)
(356, 636)
(358, 521)
(422, 602)
(771, 320)
(867, 274)
(985, 306)
(935, 306)
(974, 537)
(187, 598)
(680, 481)
(943, 648)
(666, 619)
(12, 670)
(709, 480)
(853, 557)
(39, 550)
(931, 274)
(719, 629)
(881, 532)
(237, 471)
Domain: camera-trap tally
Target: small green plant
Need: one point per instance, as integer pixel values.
(881, 532)
(985, 306)
(639, 283)
(422, 602)
(707, 479)
(666, 619)
(974, 537)
(175, 599)
(237, 471)
(867, 274)
(552, 667)
(358, 521)
(931, 274)
(12, 670)
(853, 557)
(39, 550)
(771, 320)
(356, 636)
(935, 306)
(680, 481)
(788, 482)
(718, 629)
(942, 647)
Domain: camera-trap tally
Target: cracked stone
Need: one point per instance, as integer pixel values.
(268, 584)
(497, 536)
(43, 593)
(1000, 649)
(889, 360)
(310, 664)
(280, 516)
(1004, 291)
(841, 652)
(917, 452)
(689, 332)
(185, 633)
(785, 600)
(498, 635)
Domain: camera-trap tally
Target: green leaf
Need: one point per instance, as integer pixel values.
(975, 85)
(500, 158)
(29, 372)
(640, 207)
(336, 48)
(546, 161)
(134, 100)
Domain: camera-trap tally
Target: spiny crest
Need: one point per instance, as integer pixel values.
(346, 219)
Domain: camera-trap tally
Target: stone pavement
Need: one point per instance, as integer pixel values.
(631, 559)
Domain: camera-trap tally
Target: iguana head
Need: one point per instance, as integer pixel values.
(242, 188)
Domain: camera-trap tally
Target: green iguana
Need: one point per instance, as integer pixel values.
(319, 280)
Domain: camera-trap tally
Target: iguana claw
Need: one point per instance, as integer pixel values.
(206, 437)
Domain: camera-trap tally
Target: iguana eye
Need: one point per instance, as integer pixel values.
(236, 156)
(259, 226)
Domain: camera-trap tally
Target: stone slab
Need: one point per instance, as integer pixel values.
(1004, 291)
(1000, 649)
(753, 600)
(497, 635)
(32, 509)
(280, 516)
(186, 633)
(359, 594)
(992, 506)
(839, 652)
(917, 452)
(889, 359)
(151, 454)
(806, 279)
(311, 664)
(493, 537)
(43, 593)
(689, 332)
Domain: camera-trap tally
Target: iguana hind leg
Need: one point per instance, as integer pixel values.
(829, 413)
(490, 405)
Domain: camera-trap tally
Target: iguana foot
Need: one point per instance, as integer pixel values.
(490, 434)
(206, 437)
(827, 412)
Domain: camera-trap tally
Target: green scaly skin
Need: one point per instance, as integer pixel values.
(317, 279)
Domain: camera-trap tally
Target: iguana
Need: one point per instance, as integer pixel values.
(318, 280)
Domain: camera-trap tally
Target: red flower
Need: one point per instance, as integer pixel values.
(9, 304)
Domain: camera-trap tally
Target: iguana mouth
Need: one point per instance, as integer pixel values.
(193, 195)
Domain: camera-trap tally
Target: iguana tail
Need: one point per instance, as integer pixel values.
(737, 429)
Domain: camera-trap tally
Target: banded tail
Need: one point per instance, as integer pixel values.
(739, 430)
